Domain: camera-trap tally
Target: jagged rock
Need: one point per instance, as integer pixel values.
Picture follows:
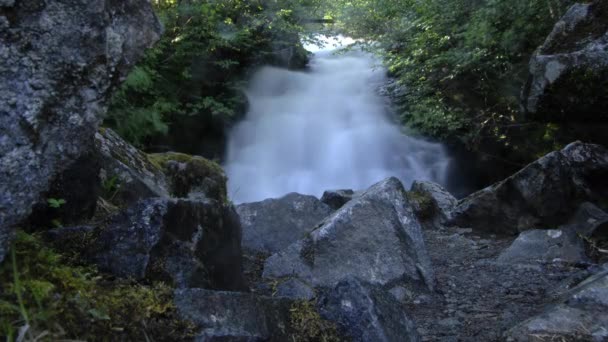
(127, 173)
(60, 61)
(581, 316)
(336, 199)
(569, 71)
(295, 289)
(365, 313)
(375, 237)
(188, 243)
(544, 194)
(273, 224)
(192, 176)
(441, 205)
(545, 246)
(234, 316)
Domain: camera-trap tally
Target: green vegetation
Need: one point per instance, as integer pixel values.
(189, 86)
(308, 325)
(45, 296)
(463, 64)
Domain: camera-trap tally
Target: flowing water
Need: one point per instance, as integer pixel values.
(326, 128)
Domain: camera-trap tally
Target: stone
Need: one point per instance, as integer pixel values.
(582, 315)
(127, 173)
(295, 289)
(544, 194)
(545, 245)
(365, 313)
(60, 61)
(234, 316)
(375, 237)
(192, 177)
(335, 199)
(183, 242)
(273, 224)
(569, 69)
(441, 205)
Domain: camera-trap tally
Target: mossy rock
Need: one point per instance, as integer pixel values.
(423, 204)
(192, 176)
(308, 325)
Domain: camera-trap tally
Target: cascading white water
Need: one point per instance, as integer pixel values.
(327, 128)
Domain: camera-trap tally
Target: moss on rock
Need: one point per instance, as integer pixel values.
(55, 299)
(191, 176)
(308, 325)
(424, 205)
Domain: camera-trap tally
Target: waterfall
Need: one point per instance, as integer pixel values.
(326, 128)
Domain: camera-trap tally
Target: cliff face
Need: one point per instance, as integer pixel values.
(60, 61)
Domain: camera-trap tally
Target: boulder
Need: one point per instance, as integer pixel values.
(60, 61)
(582, 315)
(545, 245)
(375, 237)
(184, 242)
(569, 72)
(273, 224)
(544, 194)
(127, 174)
(295, 289)
(365, 313)
(335, 199)
(234, 316)
(191, 177)
(433, 202)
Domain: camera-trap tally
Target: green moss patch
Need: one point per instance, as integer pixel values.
(50, 298)
(308, 325)
(423, 203)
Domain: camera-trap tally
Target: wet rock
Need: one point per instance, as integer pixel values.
(335, 199)
(295, 289)
(365, 313)
(273, 224)
(434, 203)
(234, 316)
(581, 316)
(545, 246)
(544, 194)
(60, 61)
(183, 242)
(127, 173)
(375, 238)
(192, 177)
(569, 68)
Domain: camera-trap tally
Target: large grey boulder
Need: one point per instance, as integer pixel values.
(273, 224)
(365, 313)
(234, 316)
(434, 204)
(543, 195)
(569, 72)
(375, 237)
(582, 315)
(336, 199)
(59, 62)
(545, 245)
(183, 242)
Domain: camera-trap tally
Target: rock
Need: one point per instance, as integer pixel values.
(183, 242)
(60, 61)
(365, 313)
(295, 289)
(192, 177)
(273, 224)
(127, 174)
(543, 194)
(569, 68)
(234, 316)
(581, 316)
(375, 238)
(335, 199)
(433, 202)
(545, 246)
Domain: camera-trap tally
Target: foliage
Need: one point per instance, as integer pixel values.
(44, 297)
(196, 69)
(309, 326)
(56, 203)
(462, 62)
